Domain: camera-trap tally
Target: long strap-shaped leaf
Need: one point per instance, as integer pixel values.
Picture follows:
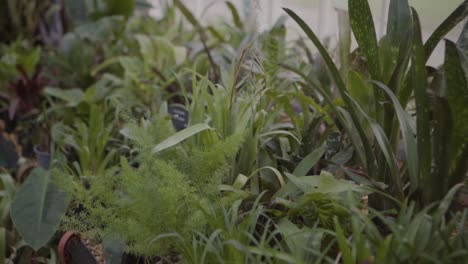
(419, 78)
(364, 31)
(180, 136)
(328, 99)
(407, 131)
(449, 23)
(457, 95)
(335, 74)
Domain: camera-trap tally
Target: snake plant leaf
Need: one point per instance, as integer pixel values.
(335, 74)
(385, 146)
(299, 240)
(180, 136)
(345, 40)
(462, 45)
(363, 28)
(457, 95)
(423, 122)
(408, 130)
(457, 16)
(37, 208)
(398, 26)
(362, 92)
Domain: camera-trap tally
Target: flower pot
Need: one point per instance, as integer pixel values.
(42, 157)
(71, 249)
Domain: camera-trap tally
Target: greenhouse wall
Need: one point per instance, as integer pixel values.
(321, 15)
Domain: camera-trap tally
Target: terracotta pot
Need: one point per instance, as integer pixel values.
(72, 250)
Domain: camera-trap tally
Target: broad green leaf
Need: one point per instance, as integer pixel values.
(72, 97)
(309, 161)
(180, 136)
(449, 23)
(327, 183)
(423, 122)
(363, 27)
(442, 149)
(323, 183)
(38, 208)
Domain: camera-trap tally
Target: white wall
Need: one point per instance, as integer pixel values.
(321, 14)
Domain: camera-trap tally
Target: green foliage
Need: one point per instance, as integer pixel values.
(17, 53)
(388, 63)
(163, 194)
(318, 209)
(20, 18)
(89, 139)
(263, 114)
(37, 208)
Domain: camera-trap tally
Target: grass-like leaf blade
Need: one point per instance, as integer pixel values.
(180, 136)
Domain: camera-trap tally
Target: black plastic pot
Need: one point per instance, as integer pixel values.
(42, 157)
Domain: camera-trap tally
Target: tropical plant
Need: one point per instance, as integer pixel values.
(397, 70)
